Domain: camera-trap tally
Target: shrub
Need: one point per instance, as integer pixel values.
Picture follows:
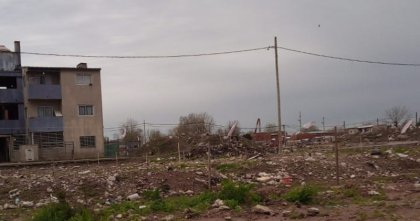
(54, 212)
(83, 215)
(152, 194)
(302, 194)
(239, 192)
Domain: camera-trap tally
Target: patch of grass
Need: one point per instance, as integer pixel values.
(83, 215)
(239, 192)
(361, 216)
(226, 167)
(54, 212)
(400, 149)
(302, 194)
(152, 194)
(351, 192)
(233, 194)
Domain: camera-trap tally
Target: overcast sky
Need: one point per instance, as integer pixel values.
(236, 86)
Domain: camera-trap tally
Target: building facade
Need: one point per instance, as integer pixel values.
(12, 120)
(59, 114)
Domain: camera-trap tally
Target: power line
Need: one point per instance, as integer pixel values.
(348, 59)
(147, 56)
(223, 53)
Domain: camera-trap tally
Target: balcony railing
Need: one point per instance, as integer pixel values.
(11, 96)
(44, 91)
(46, 124)
(12, 126)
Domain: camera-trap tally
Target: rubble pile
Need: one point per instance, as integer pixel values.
(98, 186)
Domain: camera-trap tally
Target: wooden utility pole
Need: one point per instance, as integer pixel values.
(209, 165)
(179, 153)
(300, 121)
(337, 169)
(278, 97)
(144, 132)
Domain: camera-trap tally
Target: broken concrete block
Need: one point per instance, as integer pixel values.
(260, 209)
(312, 211)
(134, 196)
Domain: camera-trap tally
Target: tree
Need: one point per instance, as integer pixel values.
(270, 128)
(155, 135)
(131, 131)
(397, 115)
(310, 128)
(195, 124)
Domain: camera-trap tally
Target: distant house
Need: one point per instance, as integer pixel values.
(313, 136)
(360, 130)
(270, 138)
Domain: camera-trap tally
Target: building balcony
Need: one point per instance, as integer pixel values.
(12, 126)
(44, 91)
(11, 96)
(46, 124)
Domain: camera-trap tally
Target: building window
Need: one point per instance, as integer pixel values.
(49, 139)
(85, 110)
(83, 79)
(87, 142)
(45, 111)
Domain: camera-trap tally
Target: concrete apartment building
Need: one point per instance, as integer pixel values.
(12, 120)
(61, 114)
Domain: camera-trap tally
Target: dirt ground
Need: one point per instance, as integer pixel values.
(373, 185)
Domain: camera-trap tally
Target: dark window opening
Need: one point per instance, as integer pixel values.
(4, 149)
(49, 139)
(42, 79)
(9, 112)
(8, 83)
(87, 142)
(85, 110)
(45, 111)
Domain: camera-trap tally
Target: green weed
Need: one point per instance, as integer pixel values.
(239, 192)
(302, 194)
(54, 212)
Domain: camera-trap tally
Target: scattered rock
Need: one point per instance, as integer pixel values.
(402, 155)
(312, 211)
(14, 193)
(218, 203)
(376, 152)
(27, 204)
(373, 193)
(84, 172)
(133, 197)
(264, 179)
(168, 218)
(9, 206)
(286, 213)
(260, 209)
